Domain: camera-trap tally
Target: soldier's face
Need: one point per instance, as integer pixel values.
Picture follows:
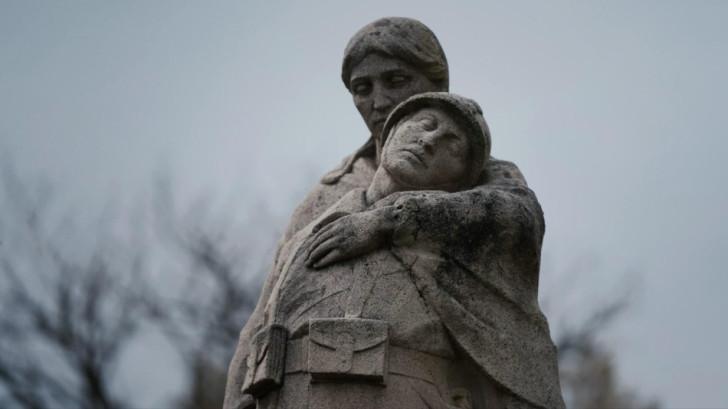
(428, 150)
(378, 83)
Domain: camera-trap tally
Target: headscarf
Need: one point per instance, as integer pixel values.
(403, 38)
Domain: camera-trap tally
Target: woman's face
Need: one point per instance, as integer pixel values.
(379, 83)
(428, 150)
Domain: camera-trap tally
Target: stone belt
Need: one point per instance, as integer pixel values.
(401, 361)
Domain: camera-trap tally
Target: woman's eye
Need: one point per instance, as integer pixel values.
(361, 89)
(397, 80)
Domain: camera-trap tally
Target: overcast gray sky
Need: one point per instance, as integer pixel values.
(615, 112)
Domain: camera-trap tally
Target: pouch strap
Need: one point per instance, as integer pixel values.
(359, 291)
(365, 276)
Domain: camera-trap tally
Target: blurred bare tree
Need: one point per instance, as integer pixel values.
(205, 316)
(587, 368)
(64, 319)
(72, 300)
(69, 310)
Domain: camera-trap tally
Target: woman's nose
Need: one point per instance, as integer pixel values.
(380, 100)
(381, 103)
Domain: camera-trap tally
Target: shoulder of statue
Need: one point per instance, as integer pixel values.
(497, 171)
(351, 164)
(324, 194)
(368, 150)
(343, 162)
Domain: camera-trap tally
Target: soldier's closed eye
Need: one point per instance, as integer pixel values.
(454, 143)
(428, 123)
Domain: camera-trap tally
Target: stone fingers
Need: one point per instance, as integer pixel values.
(333, 256)
(319, 238)
(321, 249)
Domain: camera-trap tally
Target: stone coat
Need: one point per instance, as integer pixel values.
(474, 256)
(377, 286)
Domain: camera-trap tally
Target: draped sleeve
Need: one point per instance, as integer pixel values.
(474, 256)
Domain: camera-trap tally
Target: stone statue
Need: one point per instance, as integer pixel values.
(408, 278)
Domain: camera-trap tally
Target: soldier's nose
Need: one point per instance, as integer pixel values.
(426, 143)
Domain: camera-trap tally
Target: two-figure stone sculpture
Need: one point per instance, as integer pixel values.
(408, 278)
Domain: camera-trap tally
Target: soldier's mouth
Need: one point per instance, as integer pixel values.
(412, 153)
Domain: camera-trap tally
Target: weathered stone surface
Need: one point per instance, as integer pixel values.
(408, 278)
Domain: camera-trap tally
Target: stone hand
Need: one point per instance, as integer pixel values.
(348, 237)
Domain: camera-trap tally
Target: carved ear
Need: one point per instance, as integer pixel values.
(328, 219)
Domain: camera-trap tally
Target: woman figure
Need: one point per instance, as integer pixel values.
(386, 62)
